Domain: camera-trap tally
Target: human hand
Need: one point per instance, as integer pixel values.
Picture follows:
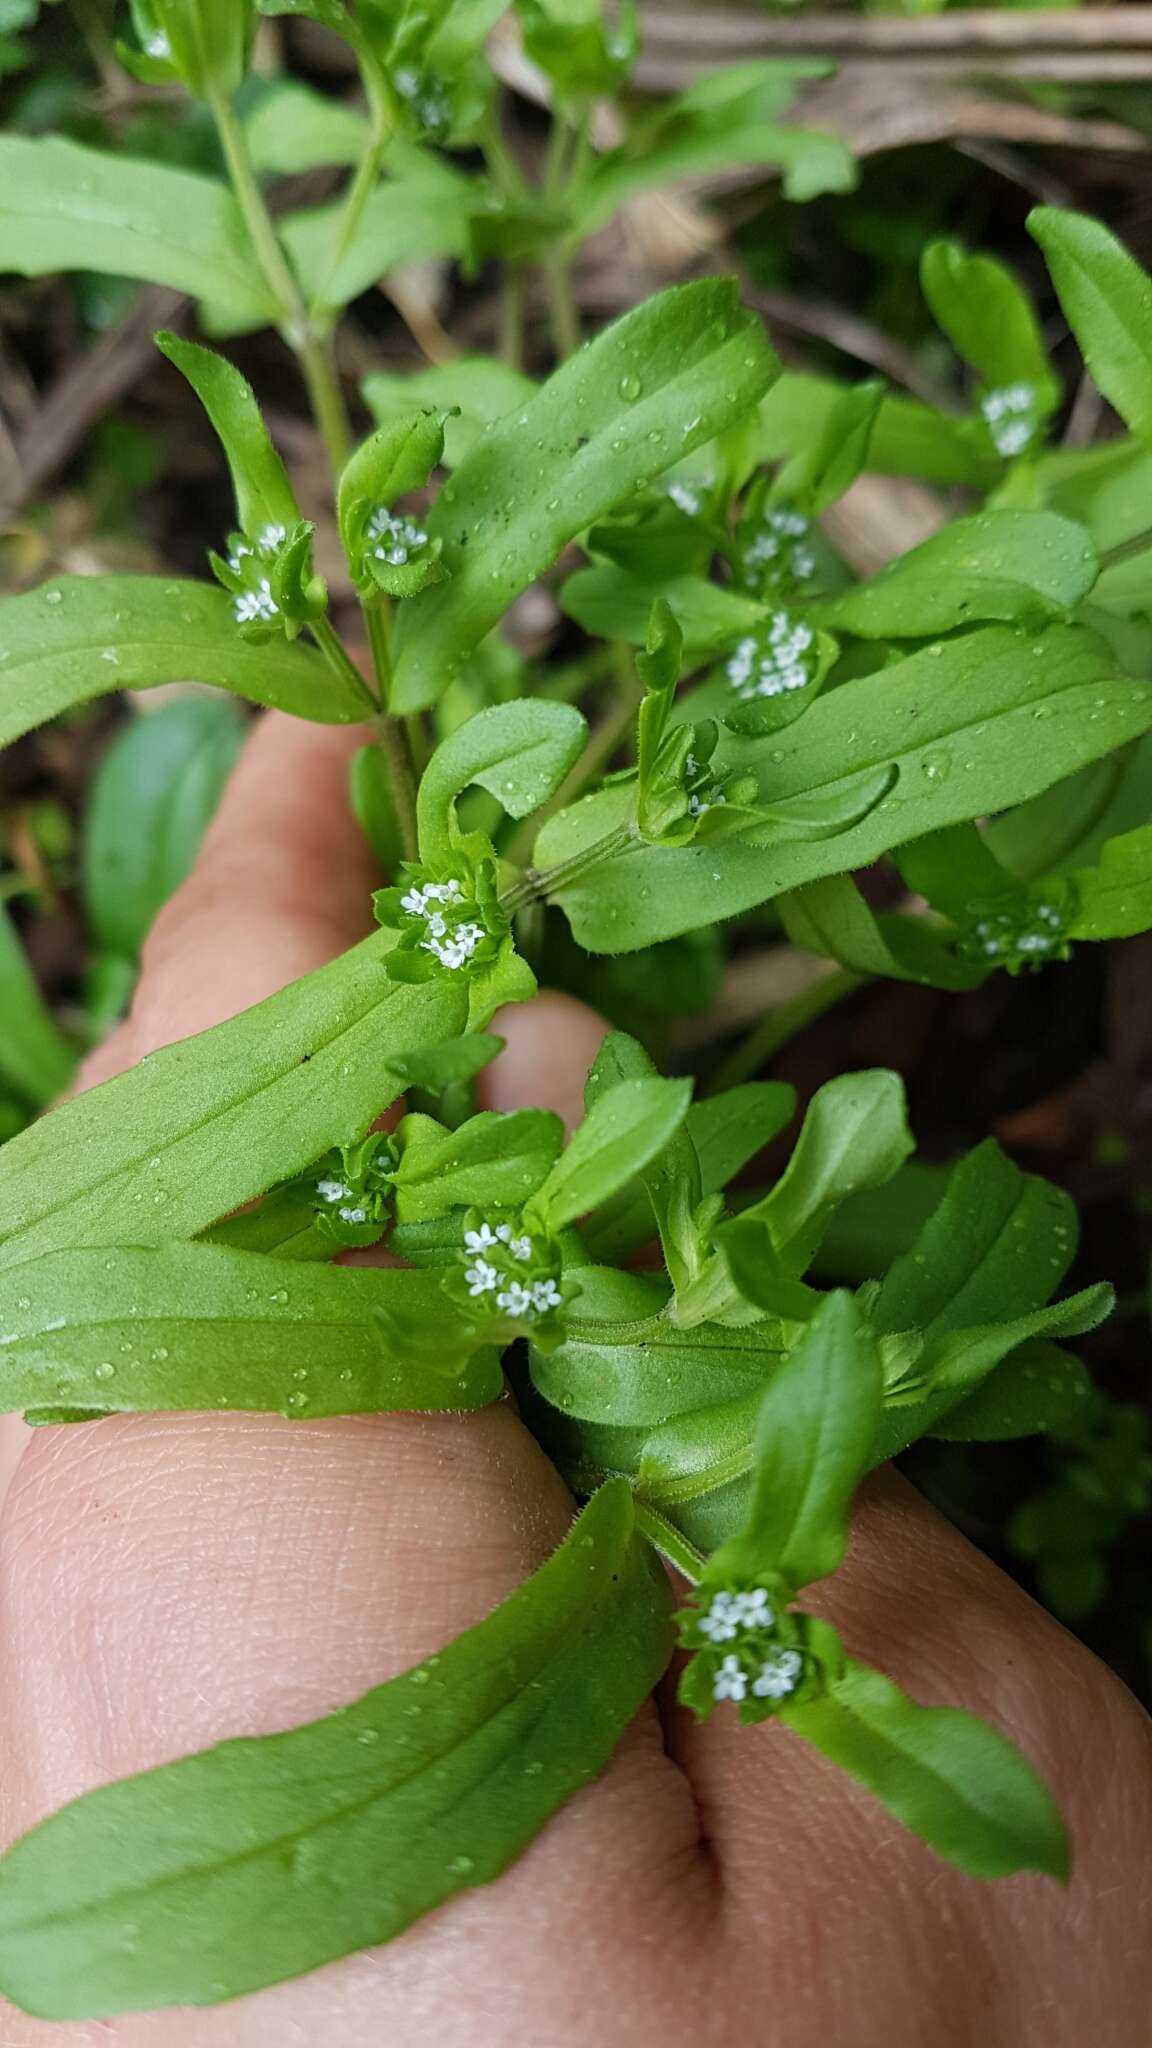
(171, 1580)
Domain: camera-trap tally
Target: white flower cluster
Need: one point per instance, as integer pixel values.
(731, 1613)
(701, 800)
(776, 1678)
(157, 45)
(523, 1300)
(395, 536)
(686, 497)
(338, 1195)
(428, 98)
(452, 943)
(768, 664)
(781, 547)
(258, 602)
(1002, 937)
(1010, 417)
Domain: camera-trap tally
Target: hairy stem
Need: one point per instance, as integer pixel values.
(536, 884)
(311, 349)
(603, 741)
(661, 1534)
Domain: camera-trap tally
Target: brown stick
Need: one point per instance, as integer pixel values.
(968, 32)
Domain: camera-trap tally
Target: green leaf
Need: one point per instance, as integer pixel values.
(70, 208)
(397, 458)
(953, 1780)
(518, 752)
(207, 1124)
(479, 390)
(613, 603)
(1026, 566)
(998, 1243)
(831, 917)
(154, 794)
(35, 1057)
(81, 637)
(195, 1326)
(854, 1135)
(492, 1159)
(625, 1128)
(821, 472)
(294, 129)
(907, 439)
(660, 382)
(1037, 1389)
(1108, 302)
(264, 496)
(405, 220)
(267, 1857)
(973, 726)
(988, 319)
(1114, 898)
(812, 1442)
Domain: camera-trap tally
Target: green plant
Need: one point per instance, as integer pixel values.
(977, 713)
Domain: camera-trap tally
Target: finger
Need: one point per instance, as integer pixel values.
(171, 1581)
(550, 1044)
(283, 883)
(797, 1839)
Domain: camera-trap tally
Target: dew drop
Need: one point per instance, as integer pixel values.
(533, 1770)
(629, 387)
(25, 1301)
(106, 1370)
(935, 764)
(461, 1865)
(279, 1294)
(53, 597)
(160, 1354)
(368, 1736)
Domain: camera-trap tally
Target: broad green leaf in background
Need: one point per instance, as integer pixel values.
(1114, 898)
(973, 725)
(405, 220)
(291, 129)
(1039, 1388)
(518, 752)
(854, 1135)
(988, 319)
(264, 497)
(1026, 566)
(155, 791)
(263, 1858)
(625, 1127)
(831, 917)
(613, 603)
(832, 460)
(482, 387)
(80, 637)
(36, 1059)
(196, 1326)
(64, 207)
(908, 438)
(205, 1125)
(1107, 299)
(811, 1444)
(652, 387)
(954, 1781)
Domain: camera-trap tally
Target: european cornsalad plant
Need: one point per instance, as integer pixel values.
(977, 714)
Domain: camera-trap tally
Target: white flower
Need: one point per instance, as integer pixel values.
(157, 45)
(456, 949)
(397, 536)
(333, 1190)
(413, 902)
(545, 1296)
(767, 667)
(271, 537)
(481, 1278)
(237, 556)
(722, 1620)
(516, 1300)
(256, 604)
(778, 1675)
(1010, 416)
(481, 1240)
(686, 498)
(520, 1247)
(756, 1610)
(353, 1215)
(730, 1682)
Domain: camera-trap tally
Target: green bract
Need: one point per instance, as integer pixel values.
(619, 688)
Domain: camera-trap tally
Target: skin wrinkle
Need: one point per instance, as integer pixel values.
(245, 1572)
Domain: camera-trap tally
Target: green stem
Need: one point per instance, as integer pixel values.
(781, 1024)
(310, 348)
(534, 885)
(1124, 550)
(360, 190)
(661, 1534)
(340, 661)
(393, 734)
(602, 744)
(562, 313)
(512, 315)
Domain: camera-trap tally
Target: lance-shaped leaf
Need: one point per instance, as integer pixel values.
(1038, 1389)
(264, 496)
(812, 1443)
(203, 1126)
(615, 603)
(972, 726)
(492, 1159)
(988, 319)
(196, 1326)
(36, 1060)
(954, 1781)
(1027, 566)
(64, 207)
(264, 1858)
(624, 1128)
(833, 918)
(657, 384)
(476, 390)
(518, 752)
(80, 637)
(1107, 298)
(855, 1135)
(833, 458)
(397, 458)
(1114, 898)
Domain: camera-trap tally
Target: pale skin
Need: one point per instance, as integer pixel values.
(172, 1580)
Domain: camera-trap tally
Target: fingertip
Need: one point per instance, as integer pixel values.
(550, 1044)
